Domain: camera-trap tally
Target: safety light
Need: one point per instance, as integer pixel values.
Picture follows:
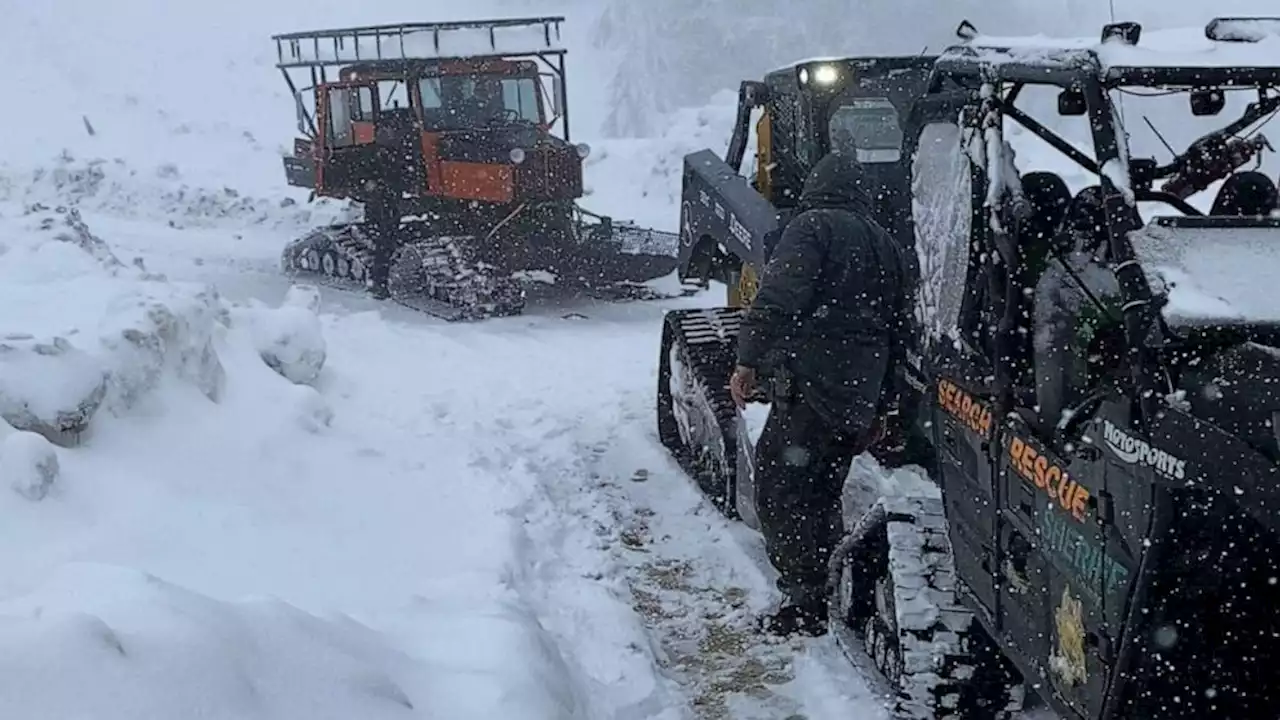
(517, 155)
(825, 75)
(583, 150)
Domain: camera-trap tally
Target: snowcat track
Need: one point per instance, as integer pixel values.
(437, 275)
(928, 650)
(428, 274)
(699, 350)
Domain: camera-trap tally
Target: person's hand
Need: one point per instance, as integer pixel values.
(742, 384)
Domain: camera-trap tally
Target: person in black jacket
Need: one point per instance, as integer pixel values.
(826, 327)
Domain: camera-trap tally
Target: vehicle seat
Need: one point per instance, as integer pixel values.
(1048, 197)
(1246, 193)
(1083, 229)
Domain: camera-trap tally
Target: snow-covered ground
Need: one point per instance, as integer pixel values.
(448, 521)
(272, 502)
(261, 505)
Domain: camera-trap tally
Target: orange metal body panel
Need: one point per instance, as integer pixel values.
(431, 158)
(363, 132)
(477, 181)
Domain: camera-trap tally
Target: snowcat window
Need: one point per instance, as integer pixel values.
(364, 104)
(392, 94)
(520, 97)
(869, 127)
(429, 87)
(340, 132)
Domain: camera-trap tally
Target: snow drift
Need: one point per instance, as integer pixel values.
(84, 331)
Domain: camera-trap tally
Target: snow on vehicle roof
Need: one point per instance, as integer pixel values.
(1212, 275)
(1182, 47)
(420, 42)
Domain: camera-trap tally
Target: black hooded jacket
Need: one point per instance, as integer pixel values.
(832, 304)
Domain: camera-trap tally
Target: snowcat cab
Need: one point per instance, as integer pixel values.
(465, 123)
(729, 224)
(1123, 550)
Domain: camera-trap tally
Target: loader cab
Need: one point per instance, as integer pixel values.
(858, 105)
(806, 110)
(1063, 524)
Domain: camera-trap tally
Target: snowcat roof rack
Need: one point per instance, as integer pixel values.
(512, 37)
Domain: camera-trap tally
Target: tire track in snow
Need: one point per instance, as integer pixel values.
(629, 561)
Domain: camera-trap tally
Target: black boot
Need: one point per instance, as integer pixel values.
(797, 619)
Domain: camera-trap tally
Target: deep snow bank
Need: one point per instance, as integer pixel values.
(84, 331)
(104, 642)
(229, 456)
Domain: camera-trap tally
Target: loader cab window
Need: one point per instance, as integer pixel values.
(869, 127)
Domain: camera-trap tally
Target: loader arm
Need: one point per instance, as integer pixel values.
(724, 222)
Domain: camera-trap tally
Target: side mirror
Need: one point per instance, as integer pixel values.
(755, 93)
(557, 95)
(966, 30)
(1207, 101)
(1071, 103)
(1142, 171)
(1126, 32)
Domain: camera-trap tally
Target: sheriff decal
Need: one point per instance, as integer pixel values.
(1067, 662)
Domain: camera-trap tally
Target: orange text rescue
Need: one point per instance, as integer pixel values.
(1055, 482)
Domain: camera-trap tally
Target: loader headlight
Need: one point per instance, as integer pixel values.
(517, 155)
(821, 75)
(825, 75)
(583, 150)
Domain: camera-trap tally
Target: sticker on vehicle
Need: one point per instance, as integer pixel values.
(1135, 451)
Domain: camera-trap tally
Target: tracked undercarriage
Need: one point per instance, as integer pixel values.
(895, 613)
(450, 277)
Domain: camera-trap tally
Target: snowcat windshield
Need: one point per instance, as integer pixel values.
(470, 101)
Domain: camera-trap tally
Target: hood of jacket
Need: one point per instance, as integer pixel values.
(837, 181)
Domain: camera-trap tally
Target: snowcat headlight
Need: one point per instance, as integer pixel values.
(583, 150)
(517, 155)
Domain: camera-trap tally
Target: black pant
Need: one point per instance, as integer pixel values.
(801, 466)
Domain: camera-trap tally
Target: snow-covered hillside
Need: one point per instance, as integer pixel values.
(264, 501)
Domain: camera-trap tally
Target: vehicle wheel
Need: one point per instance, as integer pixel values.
(329, 263)
(311, 260)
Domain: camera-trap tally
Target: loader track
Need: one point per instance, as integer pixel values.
(697, 419)
(895, 609)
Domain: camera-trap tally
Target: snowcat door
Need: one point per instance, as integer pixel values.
(346, 114)
(300, 168)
